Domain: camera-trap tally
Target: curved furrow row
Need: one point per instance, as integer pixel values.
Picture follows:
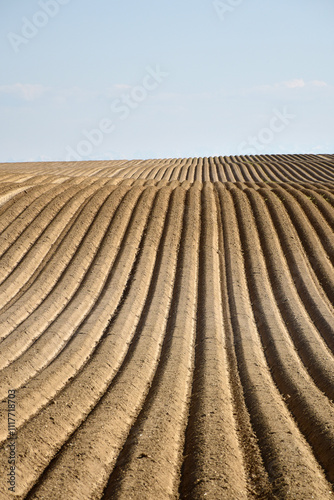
(213, 176)
(248, 172)
(239, 173)
(37, 179)
(167, 169)
(319, 171)
(276, 172)
(312, 410)
(145, 173)
(19, 206)
(191, 170)
(8, 192)
(15, 179)
(287, 456)
(76, 401)
(123, 171)
(261, 172)
(255, 169)
(326, 191)
(160, 170)
(242, 172)
(47, 331)
(168, 327)
(317, 168)
(22, 221)
(326, 160)
(7, 186)
(304, 277)
(272, 174)
(229, 172)
(126, 170)
(213, 460)
(38, 227)
(318, 187)
(47, 383)
(159, 173)
(149, 168)
(114, 170)
(175, 175)
(206, 171)
(9, 176)
(301, 171)
(137, 168)
(198, 170)
(171, 169)
(31, 216)
(323, 228)
(29, 266)
(307, 339)
(219, 161)
(184, 170)
(86, 168)
(101, 168)
(258, 484)
(53, 338)
(150, 172)
(165, 172)
(290, 247)
(49, 294)
(290, 173)
(57, 256)
(158, 433)
(316, 253)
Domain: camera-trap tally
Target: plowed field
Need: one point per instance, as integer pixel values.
(167, 328)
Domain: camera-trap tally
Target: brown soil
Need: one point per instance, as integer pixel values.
(168, 328)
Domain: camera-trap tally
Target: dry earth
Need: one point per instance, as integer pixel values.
(168, 328)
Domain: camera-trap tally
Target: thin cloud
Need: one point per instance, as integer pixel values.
(319, 83)
(293, 84)
(296, 83)
(122, 86)
(28, 92)
(24, 91)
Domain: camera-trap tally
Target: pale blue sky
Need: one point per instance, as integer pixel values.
(110, 79)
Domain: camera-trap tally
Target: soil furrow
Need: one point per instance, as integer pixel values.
(74, 403)
(52, 379)
(51, 303)
(55, 337)
(159, 430)
(18, 208)
(316, 254)
(287, 457)
(213, 464)
(168, 328)
(305, 280)
(22, 260)
(314, 413)
(311, 348)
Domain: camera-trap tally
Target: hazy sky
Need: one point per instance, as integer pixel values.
(110, 79)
